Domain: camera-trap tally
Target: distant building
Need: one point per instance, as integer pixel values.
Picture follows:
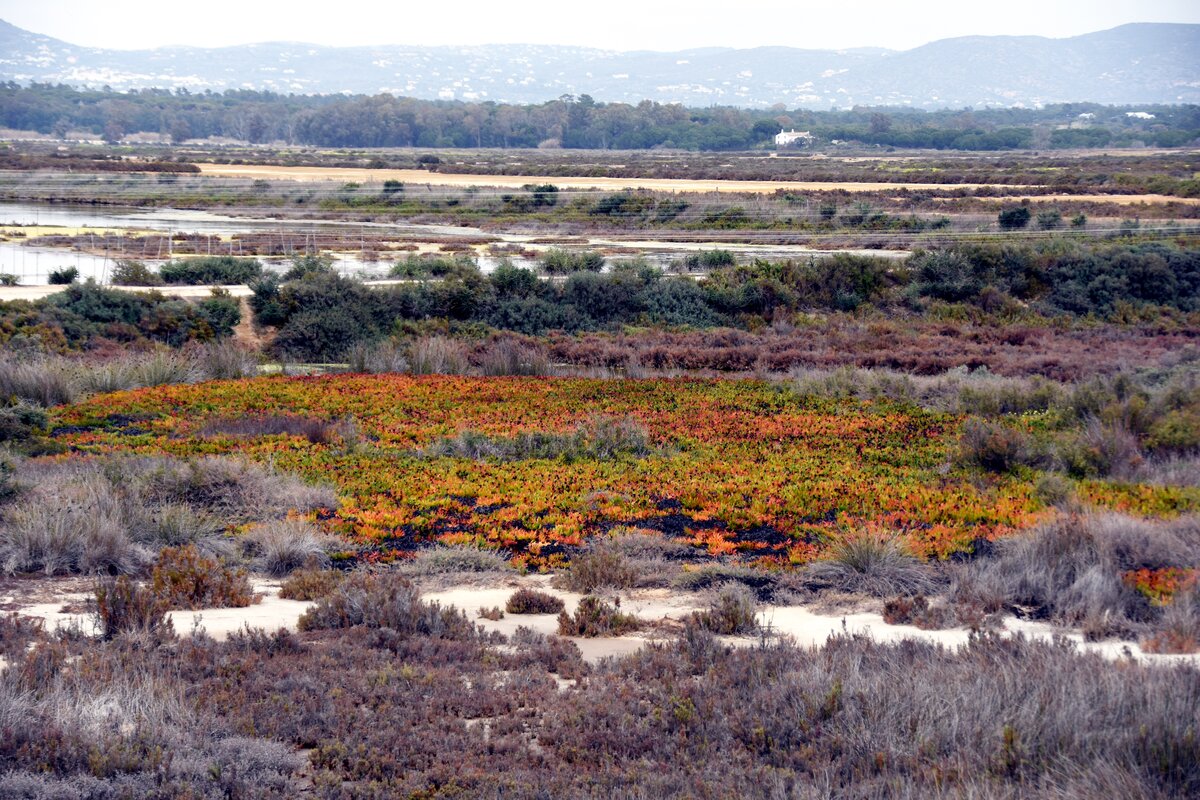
(784, 138)
(1130, 114)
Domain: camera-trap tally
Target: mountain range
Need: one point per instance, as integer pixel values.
(1145, 63)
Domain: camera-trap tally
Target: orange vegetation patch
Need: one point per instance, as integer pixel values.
(733, 466)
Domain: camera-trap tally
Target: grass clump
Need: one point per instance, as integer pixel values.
(594, 617)
(184, 577)
(600, 439)
(531, 601)
(456, 559)
(871, 564)
(282, 546)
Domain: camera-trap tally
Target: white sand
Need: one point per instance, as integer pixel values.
(270, 615)
(662, 611)
(806, 627)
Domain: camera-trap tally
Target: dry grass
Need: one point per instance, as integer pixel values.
(1070, 571)
(871, 564)
(280, 547)
(111, 515)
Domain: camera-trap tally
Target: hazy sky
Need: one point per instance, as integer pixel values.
(611, 24)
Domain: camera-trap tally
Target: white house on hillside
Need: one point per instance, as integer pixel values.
(784, 138)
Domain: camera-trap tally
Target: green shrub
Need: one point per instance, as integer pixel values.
(64, 276)
(1012, 219)
(558, 261)
(134, 273)
(209, 270)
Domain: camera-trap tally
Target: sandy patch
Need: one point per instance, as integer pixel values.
(664, 610)
(659, 608)
(270, 615)
(419, 177)
(58, 602)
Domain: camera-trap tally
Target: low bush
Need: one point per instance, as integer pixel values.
(134, 273)
(594, 617)
(558, 261)
(211, 270)
(183, 577)
(310, 583)
(1071, 571)
(1102, 450)
(531, 601)
(918, 611)
(1178, 630)
(994, 447)
(385, 600)
(762, 583)
(731, 612)
(125, 606)
(600, 567)
(494, 613)
(64, 276)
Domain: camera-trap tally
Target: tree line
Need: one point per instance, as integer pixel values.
(572, 122)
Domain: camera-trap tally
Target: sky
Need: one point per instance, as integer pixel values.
(609, 24)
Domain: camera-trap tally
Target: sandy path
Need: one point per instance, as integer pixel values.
(419, 177)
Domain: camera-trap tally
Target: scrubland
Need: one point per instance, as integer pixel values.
(990, 449)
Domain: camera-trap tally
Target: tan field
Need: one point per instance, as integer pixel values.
(418, 176)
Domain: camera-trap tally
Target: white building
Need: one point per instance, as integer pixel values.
(784, 138)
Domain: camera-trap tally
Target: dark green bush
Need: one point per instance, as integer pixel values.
(208, 270)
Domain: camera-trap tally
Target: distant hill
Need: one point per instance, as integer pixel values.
(1132, 64)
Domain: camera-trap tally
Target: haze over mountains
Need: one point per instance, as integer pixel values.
(1133, 64)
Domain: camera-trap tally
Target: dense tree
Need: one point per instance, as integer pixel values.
(578, 122)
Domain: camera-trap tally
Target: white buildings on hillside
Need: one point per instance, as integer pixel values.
(785, 138)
